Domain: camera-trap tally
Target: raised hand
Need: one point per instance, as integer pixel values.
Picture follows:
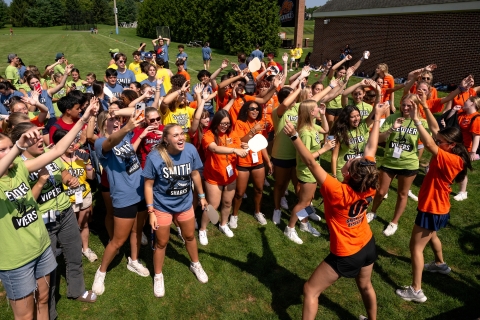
(305, 72)
(185, 86)
(199, 88)
(224, 64)
(323, 108)
(285, 57)
(30, 137)
(348, 57)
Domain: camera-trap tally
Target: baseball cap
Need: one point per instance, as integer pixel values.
(59, 56)
(116, 50)
(10, 57)
(148, 55)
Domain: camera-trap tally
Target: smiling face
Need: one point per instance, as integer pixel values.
(354, 119)
(113, 124)
(153, 119)
(33, 82)
(405, 107)
(253, 111)
(423, 89)
(240, 87)
(112, 80)
(205, 121)
(358, 95)
(341, 73)
(224, 125)
(75, 76)
(20, 107)
(175, 139)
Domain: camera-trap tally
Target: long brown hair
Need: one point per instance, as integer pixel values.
(454, 135)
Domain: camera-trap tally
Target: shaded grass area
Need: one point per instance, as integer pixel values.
(259, 273)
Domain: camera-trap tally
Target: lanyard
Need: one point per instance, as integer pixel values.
(400, 138)
(356, 149)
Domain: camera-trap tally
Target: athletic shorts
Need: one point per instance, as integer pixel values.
(21, 282)
(292, 59)
(87, 203)
(130, 212)
(431, 221)
(304, 182)
(249, 169)
(286, 164)
(165, 218)
(297, 60)
(399, 172)
(333, 112)
(350, 266)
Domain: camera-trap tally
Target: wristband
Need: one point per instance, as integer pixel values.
(462, 89)
(201, 195)
(16, 144)
(149, 205)
(331, 86)
(419, 123)
(91, 169)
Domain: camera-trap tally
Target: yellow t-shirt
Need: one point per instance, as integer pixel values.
(167, 85)
(297, 53)
(113, 66)
(140, 77)
(182, 117)
(135, 67)
(77, 169)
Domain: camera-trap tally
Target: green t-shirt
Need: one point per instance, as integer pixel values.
(357, 141)
(406, 137)
(23, 86)
(51, 198)
(61, 93)
(312, 140)
(12, 74)
(365, 109)
(282, 145)
(22, 233)
(78, 85)
(335, 103)
(59, 68)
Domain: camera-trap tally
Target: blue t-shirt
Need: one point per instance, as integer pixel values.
(104, 103)
(89, 89)
(242, 66)
(164, 52)
(5, 100)
(124, 79)
(153, 84)
(172, 191)
(257, 54)
(123, 171)
(183, 55)
(21, 71)
(116, 90)
(45, 99)
(206, 53)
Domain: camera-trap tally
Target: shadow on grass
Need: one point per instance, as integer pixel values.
(285, 286)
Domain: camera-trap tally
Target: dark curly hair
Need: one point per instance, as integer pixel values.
(363, 175)
(341, 126)
(243, 113)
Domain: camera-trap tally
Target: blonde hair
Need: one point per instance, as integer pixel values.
(383, 67)
(414, 99)
(162, 146)
(304, 94)
(305, 121)
(101, 119)
(476, 102)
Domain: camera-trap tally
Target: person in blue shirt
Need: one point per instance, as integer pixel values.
(112, 84)
(169, 171)
(7, 91)
(257, 53)
(207, 56)
(182, 55)
(242, 59)
(21, 68)
(162, 49)
(152, 82)
(124, 75)
(117, 156)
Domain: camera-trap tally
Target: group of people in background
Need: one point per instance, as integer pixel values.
(162, 149)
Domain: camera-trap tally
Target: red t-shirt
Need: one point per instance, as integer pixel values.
(64, 126)
(195, 140)
(147, 144)
(434, 194)
(345, 213)
(468, 128)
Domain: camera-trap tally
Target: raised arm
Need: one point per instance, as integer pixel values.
(59, 86)
(173, 95)
(271, 90)
(427, 140)
(337, 65)
(199, 90)
(116, 137)
(213, 81)
(431, 120)
(464, 86)
(372, 143)
(33, 100)
(292, 97)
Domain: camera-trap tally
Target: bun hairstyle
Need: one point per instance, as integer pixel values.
(162, 146)
(454, 135)
(363, 175)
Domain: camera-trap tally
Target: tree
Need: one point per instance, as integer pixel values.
(311, 10)
(3, 13)
(18, 11)
(127, 10)
(46, 13)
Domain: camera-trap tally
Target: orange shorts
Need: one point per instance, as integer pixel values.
(165, 218)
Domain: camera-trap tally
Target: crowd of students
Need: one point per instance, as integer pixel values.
(161, 149)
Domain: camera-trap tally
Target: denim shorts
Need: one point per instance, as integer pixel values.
(21, 282)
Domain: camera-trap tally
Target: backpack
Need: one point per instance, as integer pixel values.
(250, 86)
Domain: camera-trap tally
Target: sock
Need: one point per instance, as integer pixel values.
(158, 274)
(195, 264)
(100, 272)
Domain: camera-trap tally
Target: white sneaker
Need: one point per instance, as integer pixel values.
(144, 239)
(361, 317)
(385, 196)
(180, 234)
(244, 196)
(158, 286)
(266, 183)
(412, 196)
(226, 230)
(90, 255)
(371, 216)
(276, 216)
(390, 229)
(137, 267)
(313, 216)
(197, 270)
(290, 70)
(233, 222)
(98, 286)
(460, 196)
(260, 218)
(291, 233)
(307, 227)
(202, 237)
(284, 203)
(409, 294)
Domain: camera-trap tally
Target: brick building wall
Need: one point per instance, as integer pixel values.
(405, 42)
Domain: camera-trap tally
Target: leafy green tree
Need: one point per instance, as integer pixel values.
(18, 10)
(46, 13)
(3, 13)
(127, 10)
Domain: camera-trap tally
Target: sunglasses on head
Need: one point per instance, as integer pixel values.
(154, 120)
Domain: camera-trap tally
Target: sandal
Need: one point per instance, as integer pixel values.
(88, 296)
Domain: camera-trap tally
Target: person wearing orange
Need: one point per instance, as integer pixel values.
(222, 149)
(250, 122)
(426, 76)
(462, 97)
(352, 245)
(181, 69)
(449, 163)
(388, 82)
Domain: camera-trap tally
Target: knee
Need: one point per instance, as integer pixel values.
(42, 295)
(309, 291)
(238, 197)
(227, 204)
(189, 237)
(161, 245)
(257, 190)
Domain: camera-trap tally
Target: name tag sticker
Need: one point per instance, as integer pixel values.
(78, 196)
(230, 170)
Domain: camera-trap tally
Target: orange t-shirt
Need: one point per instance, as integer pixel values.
(242, 129)
(388, 83)
(434, 194)
(468, 128)
(185, 74)
(36, 122)
(237, 105)
(433, 91)
(435, 105)
(462, 97)
(221, 103)
(345, 212)
(215, 166)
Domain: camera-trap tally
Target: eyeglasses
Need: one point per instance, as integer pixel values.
(252, 109)
(224, 124)
(426, 78)
(154, 120)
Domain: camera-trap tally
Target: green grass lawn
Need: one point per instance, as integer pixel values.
(259, 273)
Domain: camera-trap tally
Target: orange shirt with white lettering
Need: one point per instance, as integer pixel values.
(215, 166)
(468, 128)
(345, 213)
(434, 194)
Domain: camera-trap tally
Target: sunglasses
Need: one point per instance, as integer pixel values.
(120, 61)
(425, 78)
(154, 120)
(252, 109)
(224, 124)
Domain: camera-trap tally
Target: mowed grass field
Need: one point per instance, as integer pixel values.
(259, 273)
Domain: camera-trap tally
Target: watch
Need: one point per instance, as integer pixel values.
(294, 137)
